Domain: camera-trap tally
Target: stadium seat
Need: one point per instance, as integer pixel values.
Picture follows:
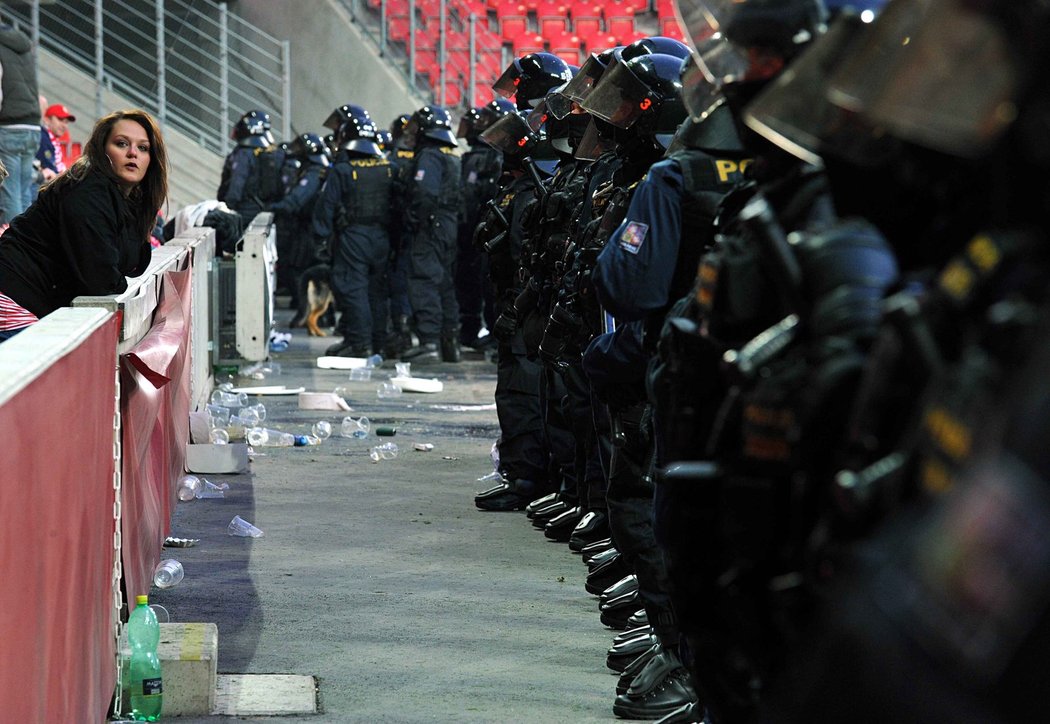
(426, 41)
(398, 8)
(453, 92)
(670, 28)
(397, 29)
(566, 46)
(552, 18)
(664, 9)
(638, 6)
(427, 64)
(483, 93)
(597, 42)
(527, 43)
(586, 18)
(622, 26)
(513, 20)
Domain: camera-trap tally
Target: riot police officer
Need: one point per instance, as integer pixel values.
(294, 212)
(400, 156)
(480, 172)
(431, 215)
(352, 219)
(251, 174)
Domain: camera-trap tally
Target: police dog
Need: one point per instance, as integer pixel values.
(315, 297)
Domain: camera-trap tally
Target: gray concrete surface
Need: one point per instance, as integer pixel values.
(382, 579)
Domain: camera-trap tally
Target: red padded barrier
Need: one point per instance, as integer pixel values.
(56, 539)
(155, 401)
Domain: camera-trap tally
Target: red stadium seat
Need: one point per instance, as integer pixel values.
(638, 6)
(586, 18)
(397, 29)
(427, 63)
(397, 8)
(426, 41)
(527, 43)
(622, 26)
(483, 93)
(566, 46)
(597, 42)
(453, 92)
(552, 18)
(670, 28)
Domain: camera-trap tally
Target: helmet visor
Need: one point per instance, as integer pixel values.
(952, 86)
(510, 134)
(698, 94)
(592, 145)
(539, 115)
(620, 98)
(507, 84)
(578, 88)
(794, 113)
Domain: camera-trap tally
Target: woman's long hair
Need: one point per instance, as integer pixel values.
(150, 194)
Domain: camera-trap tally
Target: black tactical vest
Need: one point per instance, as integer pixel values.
(367, 199)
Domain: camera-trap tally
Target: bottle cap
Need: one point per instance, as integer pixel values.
(141, 600)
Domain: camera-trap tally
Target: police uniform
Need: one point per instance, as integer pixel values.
(294, 219)
(397, 272)
(353, 208)
(432, 210)
(250, 182)
(480, 173)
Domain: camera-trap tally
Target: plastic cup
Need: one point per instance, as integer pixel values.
(219, 436)
(388, 390)
(242, 528)
(323, 429)
(219, 413)
(168, 573)
(360, 374)
(260, 410)
(358, 428)
(249, 415)
(189, 486)
(403, 369)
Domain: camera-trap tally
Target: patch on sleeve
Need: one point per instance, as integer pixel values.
(303, 182)
(472, 177)
(420, 173)
(633, 235)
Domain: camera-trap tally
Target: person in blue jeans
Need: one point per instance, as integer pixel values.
(19, 120)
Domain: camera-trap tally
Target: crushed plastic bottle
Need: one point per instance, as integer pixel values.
(494, 455)
(374, 361)
(360, 374)
(323, 429)
(402, 369)
(188, 487)
(211, 490)
(386, 451)
(358, 428)
(264, 437)
(306, 440)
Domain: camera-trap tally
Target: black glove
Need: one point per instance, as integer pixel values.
(323, 252)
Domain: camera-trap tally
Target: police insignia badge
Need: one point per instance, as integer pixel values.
(420, 173)
(633, 235)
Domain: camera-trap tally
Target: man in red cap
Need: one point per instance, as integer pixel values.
(57, 119)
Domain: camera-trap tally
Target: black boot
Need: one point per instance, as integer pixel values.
(450, 347)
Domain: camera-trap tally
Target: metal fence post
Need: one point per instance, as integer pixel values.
(442, 47)
(224, 78)
(412, 44)
(382, 28)
(34, 23)
(473, 59)
(162, 82)
(286, 90)
(99, 59)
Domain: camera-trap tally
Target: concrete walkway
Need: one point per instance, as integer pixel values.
(382, 579)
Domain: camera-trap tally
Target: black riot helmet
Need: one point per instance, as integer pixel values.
(515, 139)
(564, 133)
(397, 126)
(468, 125)
(529, 78)
(310, 147)
(358, 133)
(253, 129)
(643, 94)
(739, 41)
(655, 44)
(433, 122)
(561, 102)
(385, 139)
(342, 114)
(492, 112)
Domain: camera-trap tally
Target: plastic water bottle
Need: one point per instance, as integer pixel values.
(374, 361)
(145, 688)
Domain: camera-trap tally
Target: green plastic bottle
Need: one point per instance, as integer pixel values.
(144, 684)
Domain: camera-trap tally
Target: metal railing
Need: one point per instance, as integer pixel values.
(192, 63)
(466, 53)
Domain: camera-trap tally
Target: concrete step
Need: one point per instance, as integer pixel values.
(189, 655)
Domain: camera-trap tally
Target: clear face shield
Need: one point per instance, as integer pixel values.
(703, 23)
(620, 98)
(577, 89)
(593, 145)
(511, 135)
(948, 79)
(795, 113)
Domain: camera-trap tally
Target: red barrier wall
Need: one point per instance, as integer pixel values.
(56, 539)
(155, 403)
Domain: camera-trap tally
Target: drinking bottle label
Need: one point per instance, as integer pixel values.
(152, 687)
